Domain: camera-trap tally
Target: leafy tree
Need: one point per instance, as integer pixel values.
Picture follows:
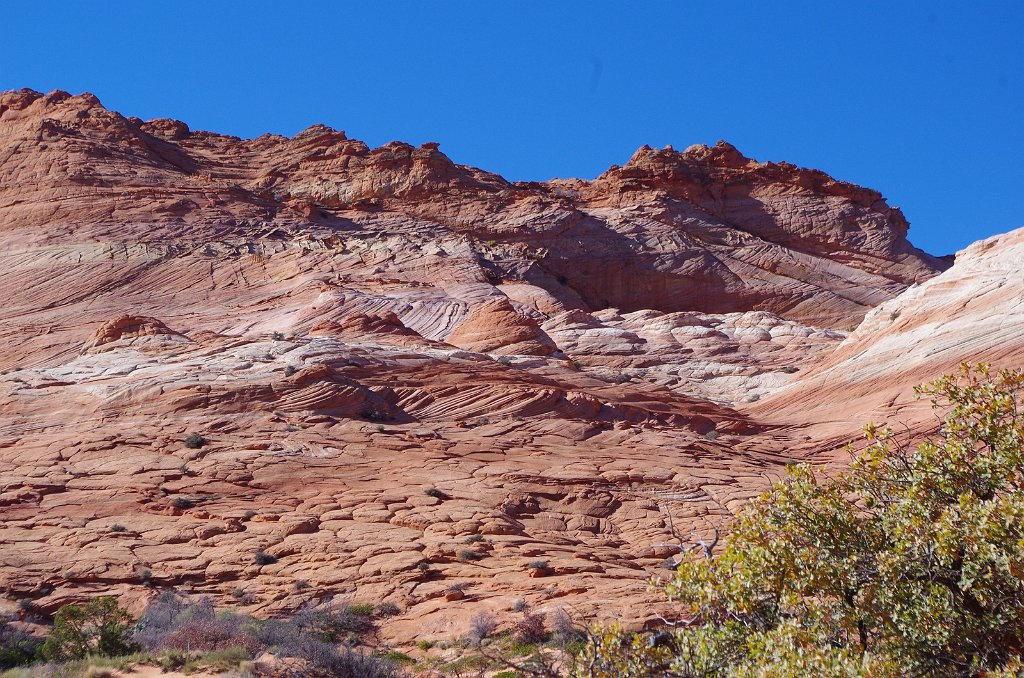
(99, 627)
(16, 646)
(910, 563)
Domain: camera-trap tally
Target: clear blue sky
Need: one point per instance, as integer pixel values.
(923, 101)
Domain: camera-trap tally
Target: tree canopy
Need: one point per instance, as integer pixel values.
(908, 563)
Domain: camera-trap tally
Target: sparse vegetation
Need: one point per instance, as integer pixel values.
(537, 564)
(482, 625)
(182, 502)
(374, 414)
(473, 539)
(117, 527)
(530, 629)
(290, 370)
(277, 336)
(16, 646)
(261, 557)
(194, 441)
(387, 609)
(435, 493)
(469, 556)
(790, 369)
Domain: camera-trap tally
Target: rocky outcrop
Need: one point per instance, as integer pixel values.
(703, 230)
(970, 313)
(390, 359)
(128, 327)
(495, 327)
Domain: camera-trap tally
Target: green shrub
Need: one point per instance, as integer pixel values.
(467, 556)
(99, 627)
(910, 563)
(194, 441)
(261, 557)
(387, 609)
(361, 609)
(182, 503)
(16, 646)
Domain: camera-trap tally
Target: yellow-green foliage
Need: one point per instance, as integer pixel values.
(911, 563)
(99, 627)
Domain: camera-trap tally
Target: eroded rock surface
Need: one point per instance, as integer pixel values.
(408, 374)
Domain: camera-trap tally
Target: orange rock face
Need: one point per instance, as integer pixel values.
(393, 360)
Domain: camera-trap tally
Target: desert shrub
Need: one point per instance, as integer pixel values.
(261, 557)
(194, 441)
(165, 614)
(16, 646)
(282, 637)
(218, 661)
(468, 556)
(327, 660)
(531, 629)
(290, 370)
(711, 435)
(99, 627)
(537, 564)
(361, 609)
(482, 625)
(277, 336)
(387, 609)
(564, 631)
(329, 624)
(910, 563)
(473, 539)
(435, 493)
(207, 634)
(182, 503)
(790, 369)
(117, 528)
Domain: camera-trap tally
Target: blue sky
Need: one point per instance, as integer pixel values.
(922, 101)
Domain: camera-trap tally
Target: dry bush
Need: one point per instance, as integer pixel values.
(531, 629)
(482, 625)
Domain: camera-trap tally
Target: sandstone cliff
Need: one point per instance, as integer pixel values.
(392, 359)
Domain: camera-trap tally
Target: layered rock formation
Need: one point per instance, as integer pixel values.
(391, 360)
(972, 312)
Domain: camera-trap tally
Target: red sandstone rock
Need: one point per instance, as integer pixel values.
(368, 340)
